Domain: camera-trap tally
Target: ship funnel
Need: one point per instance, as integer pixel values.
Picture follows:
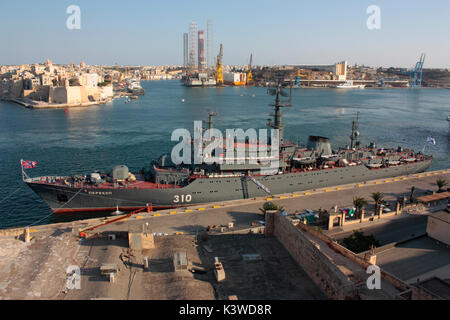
(320, 144)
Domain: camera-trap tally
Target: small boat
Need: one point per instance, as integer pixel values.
(349, 85)
(305, 160)
(332, 157)
(409, 159)
(393, 162)
(374, 165)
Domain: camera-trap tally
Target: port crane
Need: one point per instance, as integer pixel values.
(415, 75)
(249, 80)
(301, 75)
(219, 67)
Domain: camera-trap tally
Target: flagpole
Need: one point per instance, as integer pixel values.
(21, 167)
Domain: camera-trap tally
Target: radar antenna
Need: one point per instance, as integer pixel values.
(277, 115)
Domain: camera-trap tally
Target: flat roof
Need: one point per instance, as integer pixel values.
(434, 197)
(437, 286)
(415, 259)
(441, 215)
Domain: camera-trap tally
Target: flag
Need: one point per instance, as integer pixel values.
(26, 164)
(431, 140)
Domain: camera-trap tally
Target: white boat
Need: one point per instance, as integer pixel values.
(349, 85)
(392, 162)
(374, 165)
(134, 86)
(305, 160)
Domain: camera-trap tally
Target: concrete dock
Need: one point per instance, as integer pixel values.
(38, 269)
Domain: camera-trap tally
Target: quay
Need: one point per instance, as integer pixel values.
(33, 104)
(264, 255)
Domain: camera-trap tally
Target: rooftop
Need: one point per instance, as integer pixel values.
(420, 259)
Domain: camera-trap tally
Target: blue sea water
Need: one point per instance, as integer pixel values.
(85, 139)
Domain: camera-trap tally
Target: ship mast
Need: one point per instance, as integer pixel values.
(354, 137)
(210, 122)
(278, 115)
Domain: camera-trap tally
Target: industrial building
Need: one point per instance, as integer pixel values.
(235, 78)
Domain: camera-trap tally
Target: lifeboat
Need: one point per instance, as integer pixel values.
(305, 160)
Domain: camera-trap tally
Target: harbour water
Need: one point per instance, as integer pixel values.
(85, 139)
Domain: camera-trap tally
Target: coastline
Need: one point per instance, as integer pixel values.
(28, 103)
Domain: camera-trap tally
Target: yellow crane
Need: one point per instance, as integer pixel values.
(300, 75)
(249, 72)
(219, 67)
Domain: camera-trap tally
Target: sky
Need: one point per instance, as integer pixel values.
(148, 32)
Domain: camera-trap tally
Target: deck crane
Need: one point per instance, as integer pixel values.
(249, 80)
(219, 67)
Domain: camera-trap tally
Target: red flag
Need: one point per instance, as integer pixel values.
(26, 164)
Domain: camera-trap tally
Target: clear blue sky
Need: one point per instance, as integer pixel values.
(276, 32)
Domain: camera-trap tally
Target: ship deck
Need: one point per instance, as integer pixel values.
(63, 182)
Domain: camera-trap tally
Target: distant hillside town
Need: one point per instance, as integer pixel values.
(53, 85)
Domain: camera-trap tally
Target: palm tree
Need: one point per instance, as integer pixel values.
(377, 197)
(359, 203)
(441, 183)
(270, 206)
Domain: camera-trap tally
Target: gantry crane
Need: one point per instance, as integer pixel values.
(219, 67)
(249, 80)
(415, 75)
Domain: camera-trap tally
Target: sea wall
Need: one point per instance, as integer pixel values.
(323, 272)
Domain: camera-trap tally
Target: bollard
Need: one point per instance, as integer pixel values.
(27, 235)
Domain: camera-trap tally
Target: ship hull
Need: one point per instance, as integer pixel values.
(200, 191)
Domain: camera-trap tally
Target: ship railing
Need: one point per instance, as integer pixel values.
(45, 179)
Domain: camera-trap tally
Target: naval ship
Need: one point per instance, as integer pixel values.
(167, 185)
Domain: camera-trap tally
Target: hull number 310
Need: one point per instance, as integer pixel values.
(182, 198)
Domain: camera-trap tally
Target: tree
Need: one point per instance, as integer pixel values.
(441, 183)
(378, 198)
(270, 206)
(359, 203)
(358, 242)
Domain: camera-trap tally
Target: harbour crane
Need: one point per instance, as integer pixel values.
(415, 75)
(301, 75)
(249, 80)
(219, 67)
